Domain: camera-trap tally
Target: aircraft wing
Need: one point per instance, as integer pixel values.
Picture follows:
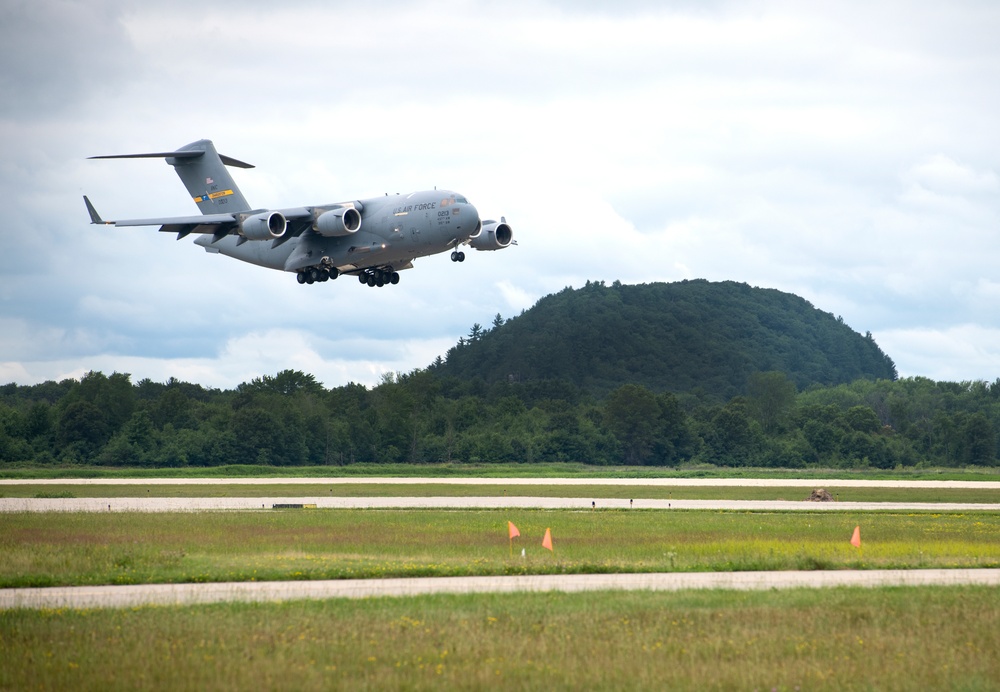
(217, 225)
(184, 225)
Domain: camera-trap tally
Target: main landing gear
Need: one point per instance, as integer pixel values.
(372, 277)
(317, 275)
(457, 256)
(379, 277)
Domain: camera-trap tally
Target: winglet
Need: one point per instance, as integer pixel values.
(94, 216)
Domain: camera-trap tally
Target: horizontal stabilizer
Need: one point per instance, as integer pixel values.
(154, 155)
(235, 163)
(189, 154)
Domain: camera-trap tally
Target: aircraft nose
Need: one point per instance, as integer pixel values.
(470, 221)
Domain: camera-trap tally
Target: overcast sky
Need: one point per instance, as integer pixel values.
(847, 152)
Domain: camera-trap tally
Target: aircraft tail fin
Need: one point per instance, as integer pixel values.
(203, 171)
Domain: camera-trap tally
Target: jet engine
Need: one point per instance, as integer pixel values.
(338, 222)
(494, 236)
(267, 225)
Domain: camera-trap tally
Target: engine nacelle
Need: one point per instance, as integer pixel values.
(338, 222)
(267, 225)
(494, 236)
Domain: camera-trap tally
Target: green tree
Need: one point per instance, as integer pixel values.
(978, 441)
(674, 439)
(770, 396)
(84, 427)
(732, 440)
(173, 408)
(113, 396)
(38, 422)
(631, 414)
(132, 445)
(286, 382)
(862, 419)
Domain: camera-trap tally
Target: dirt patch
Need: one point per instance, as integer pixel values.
(820, 495)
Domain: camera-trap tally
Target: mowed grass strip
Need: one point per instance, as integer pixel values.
(843, 639)
(505, 470)
(49, 549)
(292, 490)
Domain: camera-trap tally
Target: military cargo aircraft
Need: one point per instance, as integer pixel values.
(373, 239)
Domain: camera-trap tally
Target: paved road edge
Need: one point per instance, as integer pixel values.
(84, 597)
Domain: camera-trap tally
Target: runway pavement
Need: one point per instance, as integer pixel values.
(188, 594)
(512, 500)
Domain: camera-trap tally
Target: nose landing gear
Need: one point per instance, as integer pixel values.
(457, 256)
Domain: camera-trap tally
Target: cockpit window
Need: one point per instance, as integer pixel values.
(461, 200)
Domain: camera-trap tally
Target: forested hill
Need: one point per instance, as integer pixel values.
(668, 337)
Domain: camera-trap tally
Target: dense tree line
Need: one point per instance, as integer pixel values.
(290, 419)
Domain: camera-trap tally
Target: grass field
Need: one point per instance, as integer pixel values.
(48, 549)
(553, 470)
(842, 639)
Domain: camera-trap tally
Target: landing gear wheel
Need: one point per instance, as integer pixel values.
(370, 281)
(300, 277)
(454, 256)
(394, 279)
(461, 257)
(334, 273)
(363, 278)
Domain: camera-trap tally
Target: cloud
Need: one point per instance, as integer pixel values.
(58, 53)
(242, 358)
(943, 175)
(964, 352)
(845, 152)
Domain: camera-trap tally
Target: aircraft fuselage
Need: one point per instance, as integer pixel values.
(394, 230)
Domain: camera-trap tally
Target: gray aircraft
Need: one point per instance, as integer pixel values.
(373, 239)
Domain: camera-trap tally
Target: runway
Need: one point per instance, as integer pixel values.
(510, 500)
(81, 597)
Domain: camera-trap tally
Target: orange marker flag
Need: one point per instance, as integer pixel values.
(547, 541)
(856, 538)
(512, 532)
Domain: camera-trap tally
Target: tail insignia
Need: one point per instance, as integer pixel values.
(210, 196)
